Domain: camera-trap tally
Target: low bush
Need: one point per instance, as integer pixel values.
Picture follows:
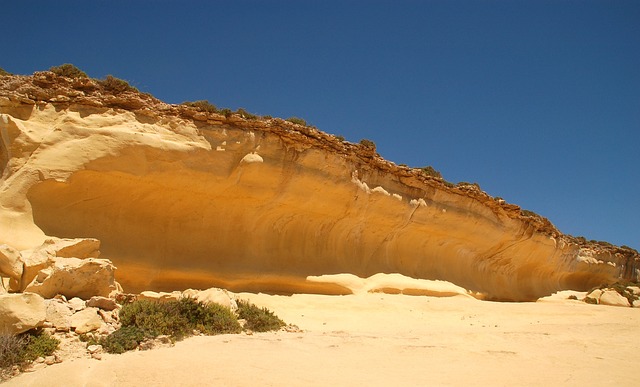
(68, 70)
(258, 319)
(25, 348)
(431, 171)
(11, 350)
(297, 120)
(145, 319)
(4, 72)
(368, 144)
(116, 85)
(245, 114)
(124, 339)
(529, 213)
(202, 105)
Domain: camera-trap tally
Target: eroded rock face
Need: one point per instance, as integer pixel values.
(11, 266)
(21, 312)
(74, 277)
(183, 198)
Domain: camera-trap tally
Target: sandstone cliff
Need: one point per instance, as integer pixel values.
(180, 197)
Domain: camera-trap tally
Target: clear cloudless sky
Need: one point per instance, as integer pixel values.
(537, 101)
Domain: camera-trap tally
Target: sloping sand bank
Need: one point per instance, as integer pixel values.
(388, 340)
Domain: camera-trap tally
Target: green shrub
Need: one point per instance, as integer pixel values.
(116, 85)
(40, 343)
(226, 112)
(202, 105)
(124, 339)
(25, 348)
(339, 138)
(155, 318)
(258, 319)
(297, 120)
(3, 72)
(430, 171)
(245, 114)
(68, 70)
(146, 319)
(368, 144)
(529, 213)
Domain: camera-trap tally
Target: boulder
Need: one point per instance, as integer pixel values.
(613, 298)
(160, 296)
(75, 248)
(11, 265)
(38, 260)
(218, 296)
(45, 255)
(86, 320)
(74, 277)
(59, 314)
(102, 303)
(76, 304)
(21, 312)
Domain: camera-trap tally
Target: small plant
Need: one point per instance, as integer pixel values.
(339, 138)
(226, 112)
(39, 344)
(368, 144)
(68, 70)
(146, 319)
(117, 85)
(297, 120)
(24, 348)
(202, 105)
(430, 171)
(124, 339)
(258, 319)
(3, 72)
(245, 114)
(529, 213)
(11, 350)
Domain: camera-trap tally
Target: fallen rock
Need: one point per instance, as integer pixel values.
(74, 277)
(102, 303)
(11, 265)
(77, 304)
(75, 248)
(86, 320)
(613, 298)
(595, 295)
(218, 296)
(59, 314)
(21, 312)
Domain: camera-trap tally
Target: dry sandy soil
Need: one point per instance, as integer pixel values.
(388, 340)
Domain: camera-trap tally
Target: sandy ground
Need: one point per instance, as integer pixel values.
(388, 340)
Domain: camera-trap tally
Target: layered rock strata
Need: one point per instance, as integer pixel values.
(180, 197)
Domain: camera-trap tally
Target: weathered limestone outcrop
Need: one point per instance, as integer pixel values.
(21, 312)
(180, 198)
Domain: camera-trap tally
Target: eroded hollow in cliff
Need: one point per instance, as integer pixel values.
(174, 221)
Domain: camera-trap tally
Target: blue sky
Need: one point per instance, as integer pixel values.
(537, 101)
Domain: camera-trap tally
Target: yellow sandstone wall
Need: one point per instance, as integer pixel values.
(179, 203)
